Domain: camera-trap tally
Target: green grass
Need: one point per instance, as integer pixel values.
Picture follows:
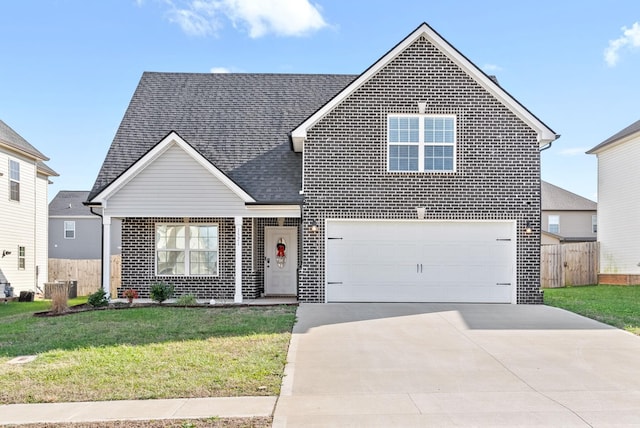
(618, 306)
(142, 353)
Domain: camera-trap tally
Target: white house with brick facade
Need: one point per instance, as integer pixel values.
(619, 206)
(24, 182)
(415, 181)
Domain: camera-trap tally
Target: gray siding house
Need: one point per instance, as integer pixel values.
(74, 232)
(417, 180)
(567, 217)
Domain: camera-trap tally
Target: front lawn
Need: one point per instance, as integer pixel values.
(143, 353)
(618, 306)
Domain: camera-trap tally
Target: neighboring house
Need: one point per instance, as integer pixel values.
(24, 180)
(619, 206)
(567, 217)
(74, 232)
(414, 181)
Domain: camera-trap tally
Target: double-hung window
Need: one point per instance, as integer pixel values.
(69, 230)
(14, 180)
(187, 249)
(421, 143)
(22, 257)
(554, 224)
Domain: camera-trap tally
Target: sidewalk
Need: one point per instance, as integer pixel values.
(104, 411)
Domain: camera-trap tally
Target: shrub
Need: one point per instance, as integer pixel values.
(161, 291)
(98, 299)
(130, 293)
(186, 300)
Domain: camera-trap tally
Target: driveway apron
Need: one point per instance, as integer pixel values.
(421, 365)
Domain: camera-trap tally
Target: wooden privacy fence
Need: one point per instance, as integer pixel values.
(569, 264)
(86, 272)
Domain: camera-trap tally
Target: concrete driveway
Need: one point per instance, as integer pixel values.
(423, 365)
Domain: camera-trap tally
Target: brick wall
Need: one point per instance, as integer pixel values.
(138, 260)
(345, 163)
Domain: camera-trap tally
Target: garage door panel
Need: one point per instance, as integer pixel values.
(399, 261)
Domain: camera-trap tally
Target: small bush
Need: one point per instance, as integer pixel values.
(161, 291)
(98, 299)
(186, 300)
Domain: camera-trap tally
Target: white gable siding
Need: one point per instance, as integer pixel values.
(619, 208)
(174, 185)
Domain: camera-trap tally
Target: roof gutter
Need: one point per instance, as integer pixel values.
(548, 146)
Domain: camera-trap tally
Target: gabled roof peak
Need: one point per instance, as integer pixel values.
(545, 134)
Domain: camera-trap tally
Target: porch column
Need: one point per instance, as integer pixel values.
(238, 295)
(106, 254)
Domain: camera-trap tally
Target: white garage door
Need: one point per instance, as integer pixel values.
(420, 261)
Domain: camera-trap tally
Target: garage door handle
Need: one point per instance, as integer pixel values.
(418, 267)
(503, 283)
(334, 283)
(503, 239)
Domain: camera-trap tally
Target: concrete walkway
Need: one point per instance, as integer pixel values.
(181, 408)
(423, 365)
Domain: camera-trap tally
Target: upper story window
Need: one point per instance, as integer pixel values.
(594, 223)
(14, 180)
(421, 143)
(554, 224)
(69, 230)
(187, 249)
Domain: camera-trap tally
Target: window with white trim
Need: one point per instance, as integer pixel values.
(554, 224)
(14, 180)
(187, 249)
(22, 258)
(69, 230)
(421, 143)
(594, 223)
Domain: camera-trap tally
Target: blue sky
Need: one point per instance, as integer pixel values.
(70, 67)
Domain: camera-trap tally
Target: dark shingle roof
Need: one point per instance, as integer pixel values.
(631, 129)
(239, 122)
(68, 203)
(12, 139)
(556, 198)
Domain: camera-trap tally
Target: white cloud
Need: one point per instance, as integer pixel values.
(220, 70)
(630, 38)
(491, 67)
(257, 17)
(574, 151)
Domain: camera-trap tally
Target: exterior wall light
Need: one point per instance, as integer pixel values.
(314, 226)
(5, 253)
(527, 228)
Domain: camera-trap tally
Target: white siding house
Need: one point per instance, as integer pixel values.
(24, 182)
(619, 206)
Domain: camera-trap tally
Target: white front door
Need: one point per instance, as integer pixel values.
(280, 261)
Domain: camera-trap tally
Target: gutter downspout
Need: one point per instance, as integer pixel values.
(101, 244)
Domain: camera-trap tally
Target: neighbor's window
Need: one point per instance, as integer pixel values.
(594, 223)
(554, 224)
(69, 230)
(422, 143)
(187, 249)
(22, 258)
(14, 180)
